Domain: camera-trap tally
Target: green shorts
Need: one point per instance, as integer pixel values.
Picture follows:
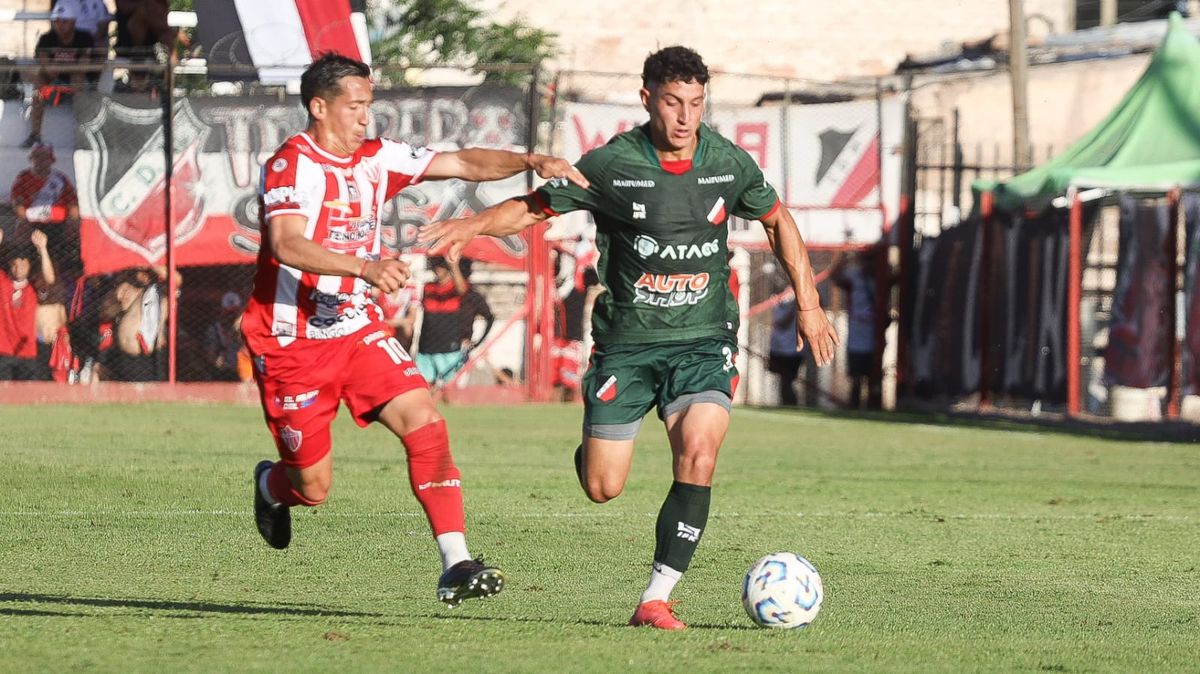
(624, 381)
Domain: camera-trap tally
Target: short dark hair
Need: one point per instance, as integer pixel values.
(322, 78)
(674, 64)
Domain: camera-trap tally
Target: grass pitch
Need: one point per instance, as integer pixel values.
(127, 543)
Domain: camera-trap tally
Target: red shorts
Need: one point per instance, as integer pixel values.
(301, 385)
(565, 357)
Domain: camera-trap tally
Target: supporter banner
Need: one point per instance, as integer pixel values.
(823, 159)
(1027, 327)
(219, 147)
(1138, 350)
(279, 38)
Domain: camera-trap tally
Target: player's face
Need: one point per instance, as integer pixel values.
(675, 111)
(346, 115)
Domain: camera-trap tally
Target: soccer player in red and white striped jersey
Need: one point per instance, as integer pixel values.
(318, 338)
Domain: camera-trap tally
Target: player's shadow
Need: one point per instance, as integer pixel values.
(560, 621)
(165, 605)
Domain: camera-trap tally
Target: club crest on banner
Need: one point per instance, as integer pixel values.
(127, 175)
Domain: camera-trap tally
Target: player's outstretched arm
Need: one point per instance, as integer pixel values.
(811, 322)
(479, 164)
(507, 217)
(285, 236)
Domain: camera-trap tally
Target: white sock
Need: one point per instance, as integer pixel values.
(453, 548)
(264, 489)
(662, 581)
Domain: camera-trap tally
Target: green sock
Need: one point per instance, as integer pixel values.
(681, 521)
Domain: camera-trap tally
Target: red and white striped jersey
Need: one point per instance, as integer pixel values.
(341, 198)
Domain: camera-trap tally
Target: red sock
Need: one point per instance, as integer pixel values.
(434, 478)
(282, 490)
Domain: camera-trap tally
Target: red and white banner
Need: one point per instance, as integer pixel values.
(823, 159)
(279, 37)
(219, 146)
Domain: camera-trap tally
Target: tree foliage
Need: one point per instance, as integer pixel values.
(453, 33)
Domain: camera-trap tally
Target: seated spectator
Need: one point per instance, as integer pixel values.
(18, 308)
(63, 45)
(141, 26)
(91, 16)
(223, 339)
(44, 198)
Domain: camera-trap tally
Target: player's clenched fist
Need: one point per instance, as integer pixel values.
(387, 275)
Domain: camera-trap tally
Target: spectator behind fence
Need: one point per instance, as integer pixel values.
(223, 339)
(18, 309)
(439, 348)
(136, 312)
(44, 198)
(474, 307)
(855, 278)
(63, 45)
(784, 358)
(91, 16)
(399, 312)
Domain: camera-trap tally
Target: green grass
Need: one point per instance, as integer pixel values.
(127, 544)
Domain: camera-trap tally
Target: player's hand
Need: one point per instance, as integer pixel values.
(387, 275)
(814, 326)
(38, 239)
(450, 237)
(553, 167)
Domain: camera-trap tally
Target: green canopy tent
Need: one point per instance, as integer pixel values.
(1149, 144)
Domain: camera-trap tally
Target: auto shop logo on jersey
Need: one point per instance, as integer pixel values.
(129, 177)
(670, 290)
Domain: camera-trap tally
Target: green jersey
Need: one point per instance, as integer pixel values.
(662, 236)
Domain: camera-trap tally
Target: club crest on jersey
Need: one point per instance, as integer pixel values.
(279, 165)
(716, 215)
(292, 438)
(608, 390)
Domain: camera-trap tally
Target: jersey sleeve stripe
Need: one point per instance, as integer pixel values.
(540, 202)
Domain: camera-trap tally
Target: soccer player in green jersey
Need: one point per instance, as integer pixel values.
(665, 331)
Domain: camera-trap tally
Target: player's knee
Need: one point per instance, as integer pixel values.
(314, 492)
(696, 465)
(602, 491)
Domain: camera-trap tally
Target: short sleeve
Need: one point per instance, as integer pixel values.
(562, 196)
(291, 185)
(758, 198)
(409, 161)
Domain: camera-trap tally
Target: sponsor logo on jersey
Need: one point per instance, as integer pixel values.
(670, 290)
(300, 401)
(715, 180)
(337, 205)
(292, 438)
(635, 183)
(639, 211)
(647, 246)
(716, 214)
(281, 195)
(608, 390)
(558, 182)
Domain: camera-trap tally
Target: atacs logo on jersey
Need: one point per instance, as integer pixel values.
(647, 246)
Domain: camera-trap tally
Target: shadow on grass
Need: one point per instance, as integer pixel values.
(554, 620)
(1016, 420)
(162, 605)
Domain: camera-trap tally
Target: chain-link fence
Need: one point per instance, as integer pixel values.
(832, 155)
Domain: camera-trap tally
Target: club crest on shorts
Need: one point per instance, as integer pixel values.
(292, 438)
(608, 390)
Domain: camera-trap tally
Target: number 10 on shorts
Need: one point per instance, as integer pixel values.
(392, 347)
